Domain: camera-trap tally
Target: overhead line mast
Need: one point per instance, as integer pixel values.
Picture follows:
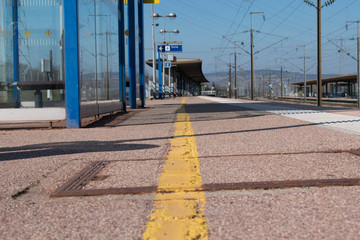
(319, 80)
(252, 53)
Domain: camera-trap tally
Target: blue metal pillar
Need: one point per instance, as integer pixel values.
(141, 52)
(132, 53)
(72, 73)
(160, 75)
(16, 50)
(122, 77)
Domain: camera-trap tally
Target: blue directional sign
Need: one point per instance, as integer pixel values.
(175, 48)
(161, 48)
(169, 48)
(167, 64)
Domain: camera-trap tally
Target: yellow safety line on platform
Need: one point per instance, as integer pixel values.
(179, 215)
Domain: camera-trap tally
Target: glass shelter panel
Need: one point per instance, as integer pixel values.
(126, 10)
(6, 55)
(99, 54)
(41, 55)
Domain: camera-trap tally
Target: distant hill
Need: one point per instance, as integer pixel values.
(221, 78)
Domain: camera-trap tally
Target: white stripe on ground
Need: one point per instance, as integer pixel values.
(339, 122)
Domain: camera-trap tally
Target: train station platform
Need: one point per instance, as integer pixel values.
(338, 119)
(187, 168)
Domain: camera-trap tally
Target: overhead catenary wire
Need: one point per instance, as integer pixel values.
(277, 17)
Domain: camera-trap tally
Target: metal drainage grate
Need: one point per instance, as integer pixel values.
(77, 183)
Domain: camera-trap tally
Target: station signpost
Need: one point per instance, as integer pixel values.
(163, 49)
(169, 48)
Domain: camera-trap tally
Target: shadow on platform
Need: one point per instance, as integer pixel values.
(66, 148)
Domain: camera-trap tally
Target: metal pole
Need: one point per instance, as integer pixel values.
(50, 76)
(62, 59)
(15, 29)
(319, 81)
(121, 29)
(140, 19)
(72, 73)
(263, 86)
(107, 61)
(153, 55)
(230, 80)
(236, 95)
(160, 76)
(169, 72)
(305, 88)
(252, 58)
(341, 56)
(358, 66)
(252, 54)
(281, 82)
(95, 49)
(132, 54)
(175, 82)
(270, 87)
(170, 82)
(164, 59)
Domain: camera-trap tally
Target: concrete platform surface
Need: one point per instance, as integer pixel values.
(202, 140)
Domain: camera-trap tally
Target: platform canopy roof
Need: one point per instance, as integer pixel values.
(192, 68)
(335, 79)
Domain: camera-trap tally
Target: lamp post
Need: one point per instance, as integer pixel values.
(170, 16)
(175, 31)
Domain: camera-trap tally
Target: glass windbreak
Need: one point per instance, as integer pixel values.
(99, 51)
(126, 24)
(41, 54)
(7, 98)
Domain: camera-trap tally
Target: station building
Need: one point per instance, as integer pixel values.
(70, 59)
(187, 77)
(333, 87)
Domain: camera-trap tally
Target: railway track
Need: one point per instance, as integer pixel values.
(346, 102)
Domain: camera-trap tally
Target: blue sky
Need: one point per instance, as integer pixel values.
(203, 23)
